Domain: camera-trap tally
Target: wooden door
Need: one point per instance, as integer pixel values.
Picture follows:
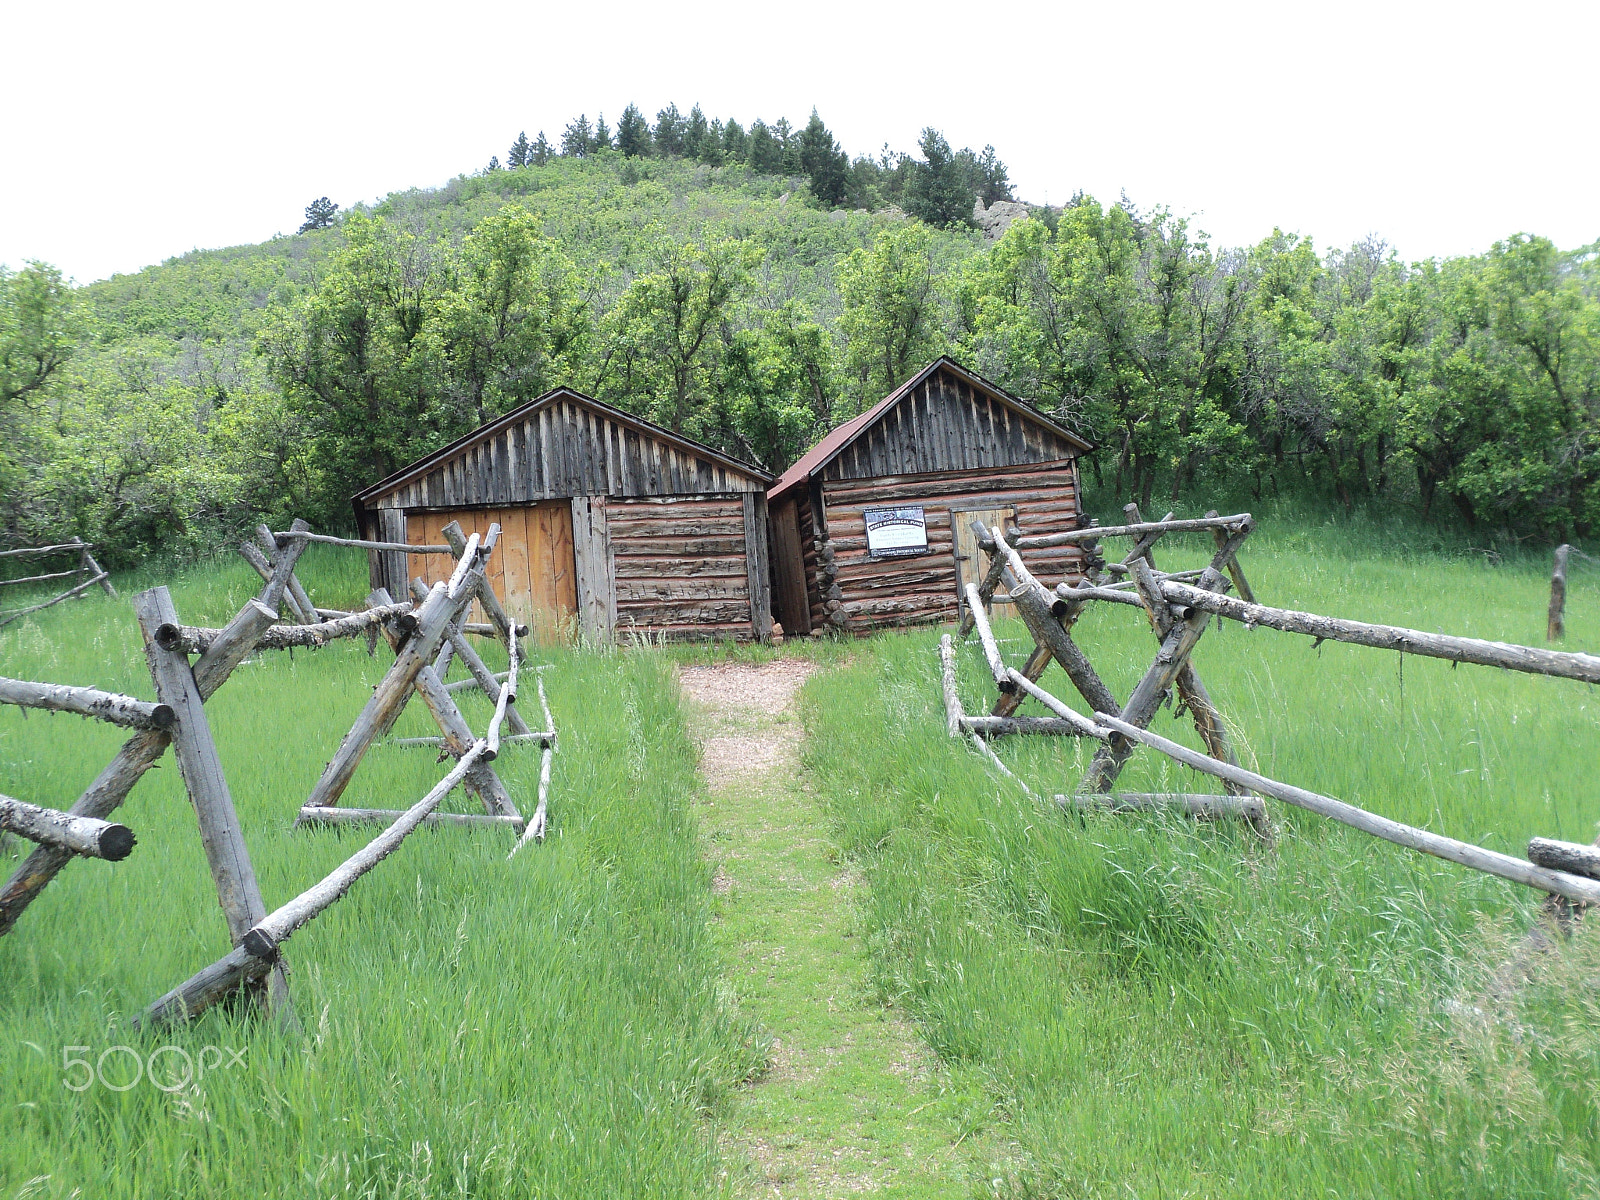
(789, 602)
(972, 564)
(533, 570)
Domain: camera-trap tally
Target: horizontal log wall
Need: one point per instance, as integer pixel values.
(680, 567)
(906, 591)
(560, 450)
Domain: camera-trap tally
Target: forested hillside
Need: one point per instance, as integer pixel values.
(754, 287)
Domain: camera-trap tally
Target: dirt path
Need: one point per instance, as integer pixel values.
(853, 1101)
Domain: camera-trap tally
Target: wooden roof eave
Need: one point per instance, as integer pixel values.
(882, 408)
(491, 428)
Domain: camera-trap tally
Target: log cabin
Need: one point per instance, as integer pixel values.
(872, 527)
(611, 525)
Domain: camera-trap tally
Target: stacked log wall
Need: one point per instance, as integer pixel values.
(682, 571)
(905, 591)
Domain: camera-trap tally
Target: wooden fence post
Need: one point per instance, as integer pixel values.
(457, 540)
(392, 692)
(94, 569)
(1234, 569)
(205, 782)
(1557, 627)
(1170, 660)
(482, 781)
(479, 670)
(138, 754)
(269, 543)
(1036, 607)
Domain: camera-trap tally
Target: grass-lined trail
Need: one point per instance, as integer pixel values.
(852, 1101)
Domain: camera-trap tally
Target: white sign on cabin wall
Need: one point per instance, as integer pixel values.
(896, 532)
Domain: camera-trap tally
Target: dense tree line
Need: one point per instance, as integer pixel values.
(939, 188)
(1472, 382)
(172, 409)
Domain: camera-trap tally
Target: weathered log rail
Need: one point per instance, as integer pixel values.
(1139, 529)
(254, 965)
(1491, 862)
(1247, 808)
(87, 702)
(257, 952)
(536, 824)
(387, 816)
(1050, 617)
(359, 543)
(88, 572)
(1559, 663)
(84, 836)
(189, 639)
(1178, 611)
(144, 749)
(58, 548)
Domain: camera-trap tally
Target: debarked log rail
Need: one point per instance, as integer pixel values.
(1559, 663)
(190, 639)
(87, 836)
(87, 702)
(1491, 862)
(257, 951)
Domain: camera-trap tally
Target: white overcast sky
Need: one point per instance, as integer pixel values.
(131, 132)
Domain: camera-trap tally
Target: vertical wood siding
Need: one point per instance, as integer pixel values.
(532, 569)
(564, 448)
(596, 573)
(946, 424)
(789, 602)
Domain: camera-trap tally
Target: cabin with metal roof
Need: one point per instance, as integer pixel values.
(872, 527)
(611, 525)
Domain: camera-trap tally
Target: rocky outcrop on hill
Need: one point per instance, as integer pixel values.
(997, 218)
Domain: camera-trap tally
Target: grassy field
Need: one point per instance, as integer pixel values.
(1124, 1006)
(1165, 1009)
(474, 1027)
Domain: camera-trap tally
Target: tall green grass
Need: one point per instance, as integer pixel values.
(546, 1026)
(1167, 1009)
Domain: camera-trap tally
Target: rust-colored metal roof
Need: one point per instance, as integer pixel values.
(836, 440)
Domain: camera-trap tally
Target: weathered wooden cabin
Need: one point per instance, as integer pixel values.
(610, 524)
(872, 526)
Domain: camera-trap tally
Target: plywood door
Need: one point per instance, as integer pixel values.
(532, 570)
(971, 562)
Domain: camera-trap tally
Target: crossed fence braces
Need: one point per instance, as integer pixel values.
(1179, 610)
(423, 634)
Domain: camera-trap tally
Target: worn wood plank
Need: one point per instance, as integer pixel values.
(758, 565)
